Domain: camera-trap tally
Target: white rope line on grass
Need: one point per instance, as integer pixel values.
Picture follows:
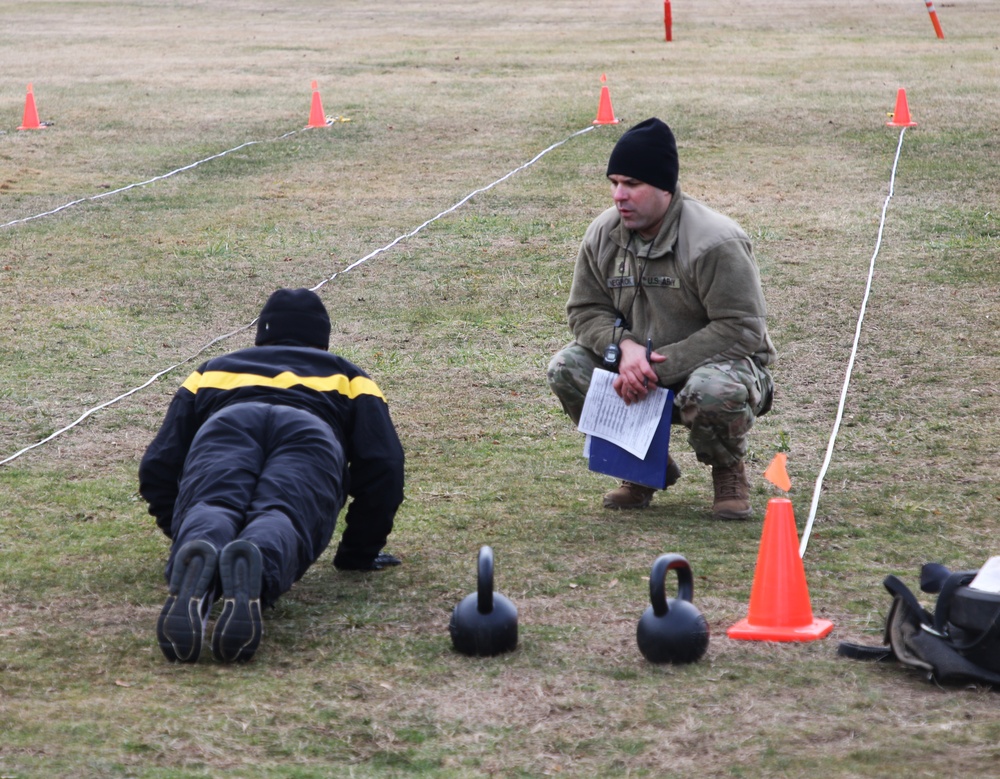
(143, 183)
(455, 207)
(247, 326)
(850, 363)
(124, 395)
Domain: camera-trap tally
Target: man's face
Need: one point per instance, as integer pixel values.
(641, 206)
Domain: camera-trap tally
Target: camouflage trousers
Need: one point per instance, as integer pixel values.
(718, 402)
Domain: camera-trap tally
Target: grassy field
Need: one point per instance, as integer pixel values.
(779, 108)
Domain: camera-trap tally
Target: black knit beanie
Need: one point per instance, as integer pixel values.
(648, 153)
(294, 316)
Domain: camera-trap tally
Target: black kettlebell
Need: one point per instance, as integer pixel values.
(672, 630)
(484, 623)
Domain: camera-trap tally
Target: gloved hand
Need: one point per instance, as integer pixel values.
(380, 561)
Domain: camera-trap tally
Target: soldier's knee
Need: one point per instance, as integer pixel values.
(713, 389)
(557, 366)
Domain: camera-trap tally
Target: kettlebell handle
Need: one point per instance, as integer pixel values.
(484, 602)
(657, 581)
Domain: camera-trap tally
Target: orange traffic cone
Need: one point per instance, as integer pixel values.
(779, 601)
(30, 121)
(316, 116)
(605, 113)
(901, 116)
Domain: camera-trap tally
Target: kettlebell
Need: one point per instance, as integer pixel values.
(484, 623)
(672, 630)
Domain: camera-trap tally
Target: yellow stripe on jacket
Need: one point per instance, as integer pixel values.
(338, 382)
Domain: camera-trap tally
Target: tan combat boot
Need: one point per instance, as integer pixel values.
(629, 495)
(732, 492)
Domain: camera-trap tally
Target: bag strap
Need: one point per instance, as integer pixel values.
(942, 610)
(897, 589)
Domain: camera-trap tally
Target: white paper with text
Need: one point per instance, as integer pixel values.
(606, 416)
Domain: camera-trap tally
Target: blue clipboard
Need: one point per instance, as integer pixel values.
(611, 459)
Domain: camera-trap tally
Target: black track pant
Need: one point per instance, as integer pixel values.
(272, 475)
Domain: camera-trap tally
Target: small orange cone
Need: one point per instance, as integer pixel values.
(901, 116)
(30, 121)
(779, 600)
(777, 472)
(316, 116)
(605, 113)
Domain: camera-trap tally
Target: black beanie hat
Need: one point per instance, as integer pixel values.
(648, 153)
(295, 316)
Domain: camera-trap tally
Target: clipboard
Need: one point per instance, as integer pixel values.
(610, 459)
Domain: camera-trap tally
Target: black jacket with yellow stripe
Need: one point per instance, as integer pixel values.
(328, 386)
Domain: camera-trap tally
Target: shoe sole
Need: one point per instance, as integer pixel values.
(240, 626)
(181, 628)
(733, 516)
(625, 507)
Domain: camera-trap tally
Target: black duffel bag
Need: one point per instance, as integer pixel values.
(958, 643)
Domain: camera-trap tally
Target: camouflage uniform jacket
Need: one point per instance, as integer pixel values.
(699, 298)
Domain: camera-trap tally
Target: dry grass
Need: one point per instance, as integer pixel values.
(779, 110)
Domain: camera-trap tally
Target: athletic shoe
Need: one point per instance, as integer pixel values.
(181, 627)
(238, 631)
